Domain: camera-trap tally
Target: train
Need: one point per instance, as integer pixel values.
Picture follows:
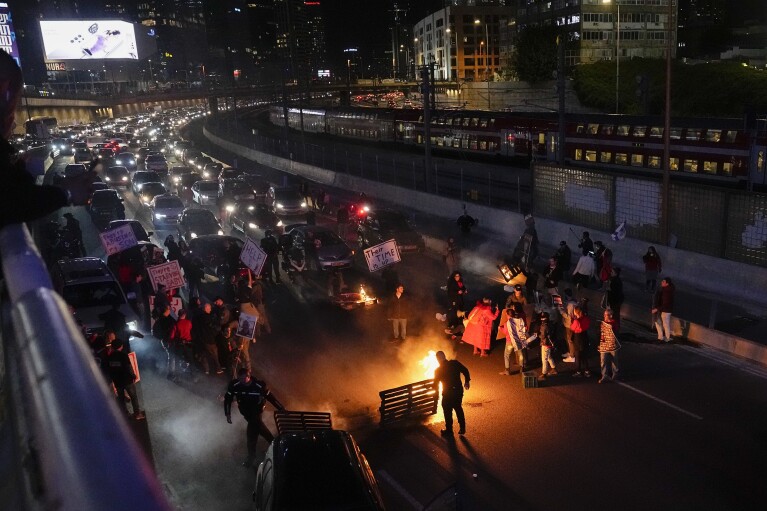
(714, 150)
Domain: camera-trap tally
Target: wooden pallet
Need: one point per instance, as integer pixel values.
(417, 399)
(289, 421)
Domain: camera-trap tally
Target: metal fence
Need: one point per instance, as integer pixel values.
(495, 186)
(719, 222)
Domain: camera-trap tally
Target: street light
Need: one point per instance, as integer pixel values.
(448, 31)
(617, 50)
(415, 59)
(487, 48)
(348, 72)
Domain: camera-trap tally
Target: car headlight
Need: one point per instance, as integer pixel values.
(221, 232)
(125, 178)
(279, 223)
(119, 162)
(206, 174)
(176, 179)
(303, 204)
(193, 234)
(279, 206)
(230, 208)
(159, 215)
(107, 179)
(252, 225)
(204, 196)
(132, 325)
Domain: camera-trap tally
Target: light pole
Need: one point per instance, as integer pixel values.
(617, 51)
(487, 47)
(348, 72)
(415, 59)
(449, 66)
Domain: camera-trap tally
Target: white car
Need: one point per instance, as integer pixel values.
(205, 192)
(166, 209)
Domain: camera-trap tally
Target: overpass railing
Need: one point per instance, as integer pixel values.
(64, 443)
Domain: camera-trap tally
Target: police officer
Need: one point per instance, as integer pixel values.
(271, 247)
(251, 396)
(449, 375)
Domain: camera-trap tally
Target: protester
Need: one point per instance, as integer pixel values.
(465, 222)
(663, 307)
(566, 311)
(451, 255)
(544, 335)
(515, 332)
(584, 270)
(564, 257)
(614, 295)
(449, 375)
(456, 297)
(652, 268)
(399, 311)
(580, 326)
(608, 348)
(479, 326)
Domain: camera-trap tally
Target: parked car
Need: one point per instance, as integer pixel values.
(117, 176)
(286, 201)
(195, 222)
(330, 249)
(87, 284)
(252, 217)
(165, 209)
(151, 190)
(205, 192)
(320, 469)
(141, 177)
(382, 225)
(138, 229)
(106, 206)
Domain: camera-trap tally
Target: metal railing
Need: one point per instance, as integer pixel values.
(69, 446)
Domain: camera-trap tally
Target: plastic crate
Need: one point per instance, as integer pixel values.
(529, 379)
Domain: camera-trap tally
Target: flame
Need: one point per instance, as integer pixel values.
(429, 364)
(363, 295)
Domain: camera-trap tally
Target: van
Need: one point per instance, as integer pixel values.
(316, 470)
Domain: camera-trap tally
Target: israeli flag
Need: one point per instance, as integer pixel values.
(620, 232)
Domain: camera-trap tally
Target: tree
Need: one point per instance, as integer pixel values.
(535, 56)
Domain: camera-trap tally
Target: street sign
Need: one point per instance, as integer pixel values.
(118, 239)
(252, 256)
(168, 274)
(176, 304)
(382, 255)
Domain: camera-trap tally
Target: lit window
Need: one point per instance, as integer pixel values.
(691, 165)
(637, 160)
(675, 133)
(579, 154)
(760, 162)
(580, 129)
(731, 135)
(593, 129)
(640, 131)
(621, 159)
(608, 129)
(623, 130)
(656, 132)
(692, 134)
(674, 163)
(605, 157)
(591, 156)
(713, 135)
(709, 167)
(653, 162)
(727, 169)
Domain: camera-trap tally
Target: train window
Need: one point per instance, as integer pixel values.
(692, 134)
(420, 118)
(709, 167)
(691, 165)
(483, 123)
(591, 156)
(675, 133)
(466, 121)
(474, 122)
(593, 129)
(492, 146)
(621, 159)
(731, 135)
(653, 162)
(637, 160)
(580, 129)
(639, 131)
(483, 145)
(456, 142)
(608, 129)
(656, 131)
(579, 154)
(492, 123)
(713, 135)
(623, 130)
(473, 143)
(727, 169)
(673, 163)
(605, 157)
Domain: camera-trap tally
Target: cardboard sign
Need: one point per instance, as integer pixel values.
(252, 256)
(176, 304)
(382, 255)
(118, 239)
(168, 274)
(134, 363)
(246, 326)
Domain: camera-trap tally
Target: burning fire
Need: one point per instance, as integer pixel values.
(429, 364)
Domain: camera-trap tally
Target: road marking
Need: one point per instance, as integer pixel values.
(659, 400)
(383, 474)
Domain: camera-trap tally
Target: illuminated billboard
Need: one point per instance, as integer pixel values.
(7, 34)
(88, 40)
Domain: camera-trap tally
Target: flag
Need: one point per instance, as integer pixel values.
(620, 232)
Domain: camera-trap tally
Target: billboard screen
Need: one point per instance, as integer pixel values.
(7, 34)
(90, 39)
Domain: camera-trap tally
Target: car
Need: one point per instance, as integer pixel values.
(258, 184)
(236, 189)
(202, 161)
(74, 169)
(211, 170)
(205, 192)
(105, 153)
(316, 469)
(166, 209)
(105, 206)
(143, 153)
(211, 249)
(181, 146)
(137, 257)
(382, 225)
(151, 190)
(286, 201)
(190, 155)
(195, 222)
(175, 172)
(138, 229)
(252, 216)
(140, 177)
(87, 284)
(117, 176)
(330, 249)
(229, 173)
(127, 160)
(62, 145)
(157, 163)
(82, 154)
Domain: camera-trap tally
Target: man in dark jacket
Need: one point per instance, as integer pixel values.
(398, 313)
(120, 371)
(449, 375)
(271, 247)
(205, 328)
(564, 257)
(663, 306)
(551, 277)
(251, 396)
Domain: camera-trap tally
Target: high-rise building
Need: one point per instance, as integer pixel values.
(300, 38)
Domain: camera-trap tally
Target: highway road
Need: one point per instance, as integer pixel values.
(681, 429)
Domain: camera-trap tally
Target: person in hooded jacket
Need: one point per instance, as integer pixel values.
(479, 326)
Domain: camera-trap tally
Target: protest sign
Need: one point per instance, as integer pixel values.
(168, 274)
(118, 239)
(382, 255)
(246, 326)
(252, 256)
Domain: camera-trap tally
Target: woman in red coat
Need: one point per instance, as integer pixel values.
(479, 326)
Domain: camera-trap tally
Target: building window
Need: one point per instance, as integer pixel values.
(591, 156)
(593, 129)
(580, 129)
(709, 167)
(637, 160)
(621, 159)
(713, 135)
(653, 162)
(727, 169)
(623, 130)
(674, 163)
(605, 157)
(640, 131)
(691, 165)
(608, 129)
(692, 134)
(731, 136)
(656, 132)
(675, 133)
(578, 154)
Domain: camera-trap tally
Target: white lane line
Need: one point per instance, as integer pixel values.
(728, 360)
(659, 400)
(383, 474)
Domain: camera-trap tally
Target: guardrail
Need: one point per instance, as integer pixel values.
(70, 447)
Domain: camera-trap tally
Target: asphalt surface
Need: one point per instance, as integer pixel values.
(682, 428)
